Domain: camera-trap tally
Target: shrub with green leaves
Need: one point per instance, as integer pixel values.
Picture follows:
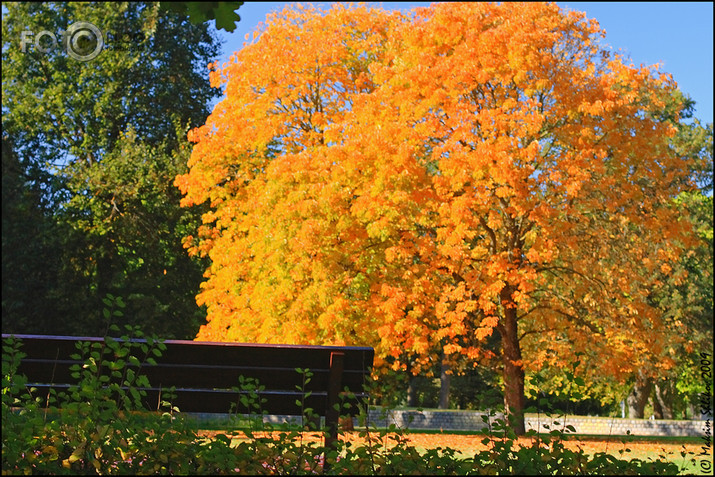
(99, 426)
(547, 455)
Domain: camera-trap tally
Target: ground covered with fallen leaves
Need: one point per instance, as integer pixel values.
(471, 444)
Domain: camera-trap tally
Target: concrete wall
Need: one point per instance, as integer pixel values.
(618, 427)
(431, 419)
(473, 421)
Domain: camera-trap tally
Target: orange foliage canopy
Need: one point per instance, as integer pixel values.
(415, 182)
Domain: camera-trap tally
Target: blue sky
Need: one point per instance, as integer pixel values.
(679, 35)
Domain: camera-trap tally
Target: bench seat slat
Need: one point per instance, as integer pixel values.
(194, 352)
(47, 371)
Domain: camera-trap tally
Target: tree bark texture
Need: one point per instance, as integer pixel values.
(657, 409)
(638, 397)
(444, 382)
(412, 391)
(513, 372)
(663, 394)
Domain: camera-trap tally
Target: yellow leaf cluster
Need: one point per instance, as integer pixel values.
(417, 182)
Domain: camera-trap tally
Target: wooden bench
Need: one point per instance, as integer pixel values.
(204, 374)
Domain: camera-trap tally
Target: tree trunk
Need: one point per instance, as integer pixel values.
(444, 381)
(663, 395)
(657, 409)
(694, 411)
(412, 391)
(513, 372)
(638, 397)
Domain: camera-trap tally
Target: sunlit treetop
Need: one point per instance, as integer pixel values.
(415, 182)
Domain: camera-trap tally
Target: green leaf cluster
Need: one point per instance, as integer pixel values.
(199, 12)
(90, 151)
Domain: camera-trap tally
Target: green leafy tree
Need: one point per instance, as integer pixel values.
(683, 293)
(688, 303)
(98, 143)
(29, 240)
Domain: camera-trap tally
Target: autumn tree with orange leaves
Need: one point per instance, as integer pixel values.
(419, 182)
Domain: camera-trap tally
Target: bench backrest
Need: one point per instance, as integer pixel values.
(204, 373)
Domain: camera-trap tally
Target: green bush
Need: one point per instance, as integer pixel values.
(97, 427)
